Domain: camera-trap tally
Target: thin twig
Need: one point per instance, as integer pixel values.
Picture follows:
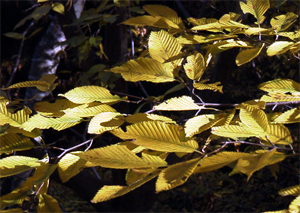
(19, 55)
(233, 105)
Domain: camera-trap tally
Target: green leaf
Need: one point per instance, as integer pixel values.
(41, 122)
(248, 55)
(119, 157)
(145, 69)
(16, 164)
(194, 68)
(88, 94)
(13, 142)
(110, 192)
(15, 35)
(158, 136)
(182, 103)
(163, 46)
(69, 166)
(257, 8)
(104, 122)
(47, 203)
(175, 175)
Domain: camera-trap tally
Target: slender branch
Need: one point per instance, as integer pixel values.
(19, 55)
(256, 144)
(233, 105)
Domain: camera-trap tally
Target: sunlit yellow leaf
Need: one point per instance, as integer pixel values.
(69, 166)
(164, 11)
(291, 35)
(219, 160)
(157, 135)
(292, 190)
(88, 111)
(195, 66)
(247, 55)
(234, 131)
(257, 8)
(41, 122)
(88, 94)
(257, 31)
(275, 97)
(217, 26)
(279, 47)
(295, 205)
(197, 39)
(105, 121)
(141, 21)
(178, 104)
(216, 87)
(278, 134)
(58, 7)
(175, 175)
(163, 46)
(144, 69)
(16, 164)
(13, 142)
(281, 86)
(13, 119)
(282, 22)
(119, 157)
(253, 118)
(249, 165)
(47, 203)
(289, 116)
(110, 192)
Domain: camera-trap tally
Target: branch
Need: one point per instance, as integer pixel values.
(233, 105)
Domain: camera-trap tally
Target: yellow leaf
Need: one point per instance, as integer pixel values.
(163, 11)
(88, 111)
(41, 122)
(247, 55)
(216, 87)
(279, 47)
(13, 119)
(145, 69)
(105, 121)
(175, 175)
(218, 160)
(295, 205)
(249, 165)
(13, 142)
(221, 24)
(119, 157)
(289, 116)
(292, 190)
(140, 117)
(282, 22)
(141, 21)
(47, 203)
(278, 134)
(194, 68)
(197, 39)
(110, 192)
(88, 94)
(253, 118)
(58, 7)
(55, 109)
(291, 35)
(234, 131)
(281, 86)
(178, 104)
(69, 166)
(157, 135)
(163, 46)
(16, 164)
(257, 8)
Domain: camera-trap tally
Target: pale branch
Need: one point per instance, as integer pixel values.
(233, 105)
